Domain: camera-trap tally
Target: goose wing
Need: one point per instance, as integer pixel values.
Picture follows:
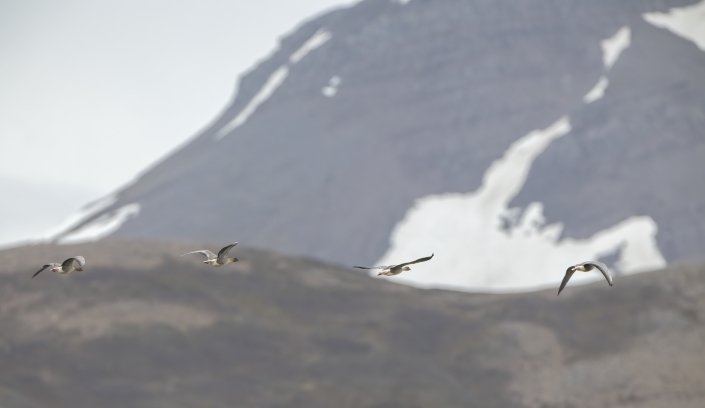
(79, 259)
(223, 253)
(568, 274)
(428, 258)
(208, 254)
(603, 268)
(374, 267)
(49, 265)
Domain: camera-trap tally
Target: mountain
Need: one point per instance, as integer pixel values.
(498, 134)
(142, 327)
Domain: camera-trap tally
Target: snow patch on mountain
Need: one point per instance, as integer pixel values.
(481, 244)
(102, 226)
(402, 2)
(687, 22)
(77, 218)
(613, 47)
(275, 80)
(597, 91)
(272, 84)
(319, 38)
(332, 88)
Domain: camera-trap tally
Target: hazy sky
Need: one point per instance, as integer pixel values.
(92, 92)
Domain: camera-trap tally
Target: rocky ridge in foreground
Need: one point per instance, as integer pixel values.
(145, 328)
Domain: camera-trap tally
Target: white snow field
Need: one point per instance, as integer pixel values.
(473, 250)
(598, 91)
(319, 38)
(102, 226)
(613, 47)
(76, 218)
(332, 88)
(687, 22)
(275, 80)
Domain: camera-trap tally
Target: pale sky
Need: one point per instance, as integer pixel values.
(93, 92)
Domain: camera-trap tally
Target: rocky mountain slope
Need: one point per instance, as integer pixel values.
(142, 327)
(477, 127)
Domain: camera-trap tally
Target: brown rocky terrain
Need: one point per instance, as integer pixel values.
(142, 327)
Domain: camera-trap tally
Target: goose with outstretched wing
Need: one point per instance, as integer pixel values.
(65, 267)
(216, 260)
(391, 270)
(586, 267)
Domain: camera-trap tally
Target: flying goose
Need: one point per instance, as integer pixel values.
(216, 260)
(585, 267)
(391, 270)
(66, 267)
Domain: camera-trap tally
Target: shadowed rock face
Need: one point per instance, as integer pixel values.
(428, 95)
(276, 331)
